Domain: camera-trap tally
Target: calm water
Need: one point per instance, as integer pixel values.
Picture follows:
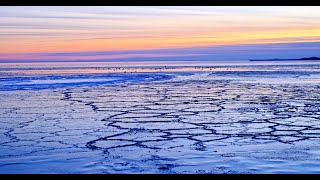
(15, 76)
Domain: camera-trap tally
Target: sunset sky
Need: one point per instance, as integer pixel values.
(157, 33)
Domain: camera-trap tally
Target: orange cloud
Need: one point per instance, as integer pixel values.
(227, 37)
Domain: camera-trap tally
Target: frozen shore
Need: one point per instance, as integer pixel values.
(191, 122)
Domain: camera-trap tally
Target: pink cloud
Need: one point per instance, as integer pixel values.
(41, 57)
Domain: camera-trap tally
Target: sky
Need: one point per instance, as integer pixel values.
(142, 33)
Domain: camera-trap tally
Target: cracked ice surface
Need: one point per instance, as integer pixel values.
(189, 124)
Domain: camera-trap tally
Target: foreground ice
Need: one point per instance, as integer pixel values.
(223, 122)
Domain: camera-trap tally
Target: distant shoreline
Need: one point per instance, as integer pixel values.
(300, 59)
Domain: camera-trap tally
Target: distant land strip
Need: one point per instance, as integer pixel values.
(300, 59)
